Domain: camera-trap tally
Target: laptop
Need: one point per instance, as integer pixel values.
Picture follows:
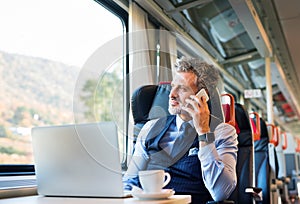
(78, 160)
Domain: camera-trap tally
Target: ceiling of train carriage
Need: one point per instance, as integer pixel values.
(239, 34)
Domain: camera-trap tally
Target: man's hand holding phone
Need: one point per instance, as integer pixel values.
(199, 111)
(201, 93)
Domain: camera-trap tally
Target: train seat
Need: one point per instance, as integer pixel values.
(262, 167)
(244, 168)
(292, 168)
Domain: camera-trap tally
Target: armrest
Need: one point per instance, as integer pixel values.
(255, 192)
(287, 180)
(279, 183)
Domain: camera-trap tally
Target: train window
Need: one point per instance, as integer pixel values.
(43, 48)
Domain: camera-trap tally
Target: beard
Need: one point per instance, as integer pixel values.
(174, 110)
(177, 110)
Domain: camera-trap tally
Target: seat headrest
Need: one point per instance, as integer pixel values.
(160, 105)
(141, 102)
(262, 144)
(150, 102)
(216, 110)
(226, 110)
(263, 129)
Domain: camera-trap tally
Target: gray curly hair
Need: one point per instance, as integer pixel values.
(207, 75)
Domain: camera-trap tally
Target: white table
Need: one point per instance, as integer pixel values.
(175, 199)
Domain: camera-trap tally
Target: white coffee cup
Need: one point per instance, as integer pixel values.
(153, 181)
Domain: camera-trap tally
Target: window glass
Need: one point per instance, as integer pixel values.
(43, 47)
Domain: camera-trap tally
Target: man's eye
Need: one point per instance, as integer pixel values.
(183, 89)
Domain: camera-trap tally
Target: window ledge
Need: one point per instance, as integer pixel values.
(15, 186)
(17, 192)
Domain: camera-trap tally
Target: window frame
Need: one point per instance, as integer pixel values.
(28, 169)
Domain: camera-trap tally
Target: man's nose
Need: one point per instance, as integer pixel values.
(173, 93)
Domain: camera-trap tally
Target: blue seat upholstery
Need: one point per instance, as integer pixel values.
(291, 171)
(244, 166)
(149, 102)
(262, 166)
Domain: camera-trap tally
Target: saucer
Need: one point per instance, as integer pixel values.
(165, 193)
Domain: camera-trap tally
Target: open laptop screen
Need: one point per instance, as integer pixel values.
(78, 160)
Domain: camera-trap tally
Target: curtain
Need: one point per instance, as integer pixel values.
(142, 38)
(152, 51)
(167, 54)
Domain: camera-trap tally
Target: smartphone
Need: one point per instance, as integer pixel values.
(201, 93)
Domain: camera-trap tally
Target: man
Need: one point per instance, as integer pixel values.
(196, 149)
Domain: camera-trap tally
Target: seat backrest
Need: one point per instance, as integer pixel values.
(292, 166)
(149, 102)
(262, 166)
(273, 154)
(244, 168)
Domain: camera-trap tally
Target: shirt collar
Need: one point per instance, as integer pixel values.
(179, 122)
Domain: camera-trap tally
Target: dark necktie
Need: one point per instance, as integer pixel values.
(184, 141)
(181, 145)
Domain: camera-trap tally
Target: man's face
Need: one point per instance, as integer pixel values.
(183, 85)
